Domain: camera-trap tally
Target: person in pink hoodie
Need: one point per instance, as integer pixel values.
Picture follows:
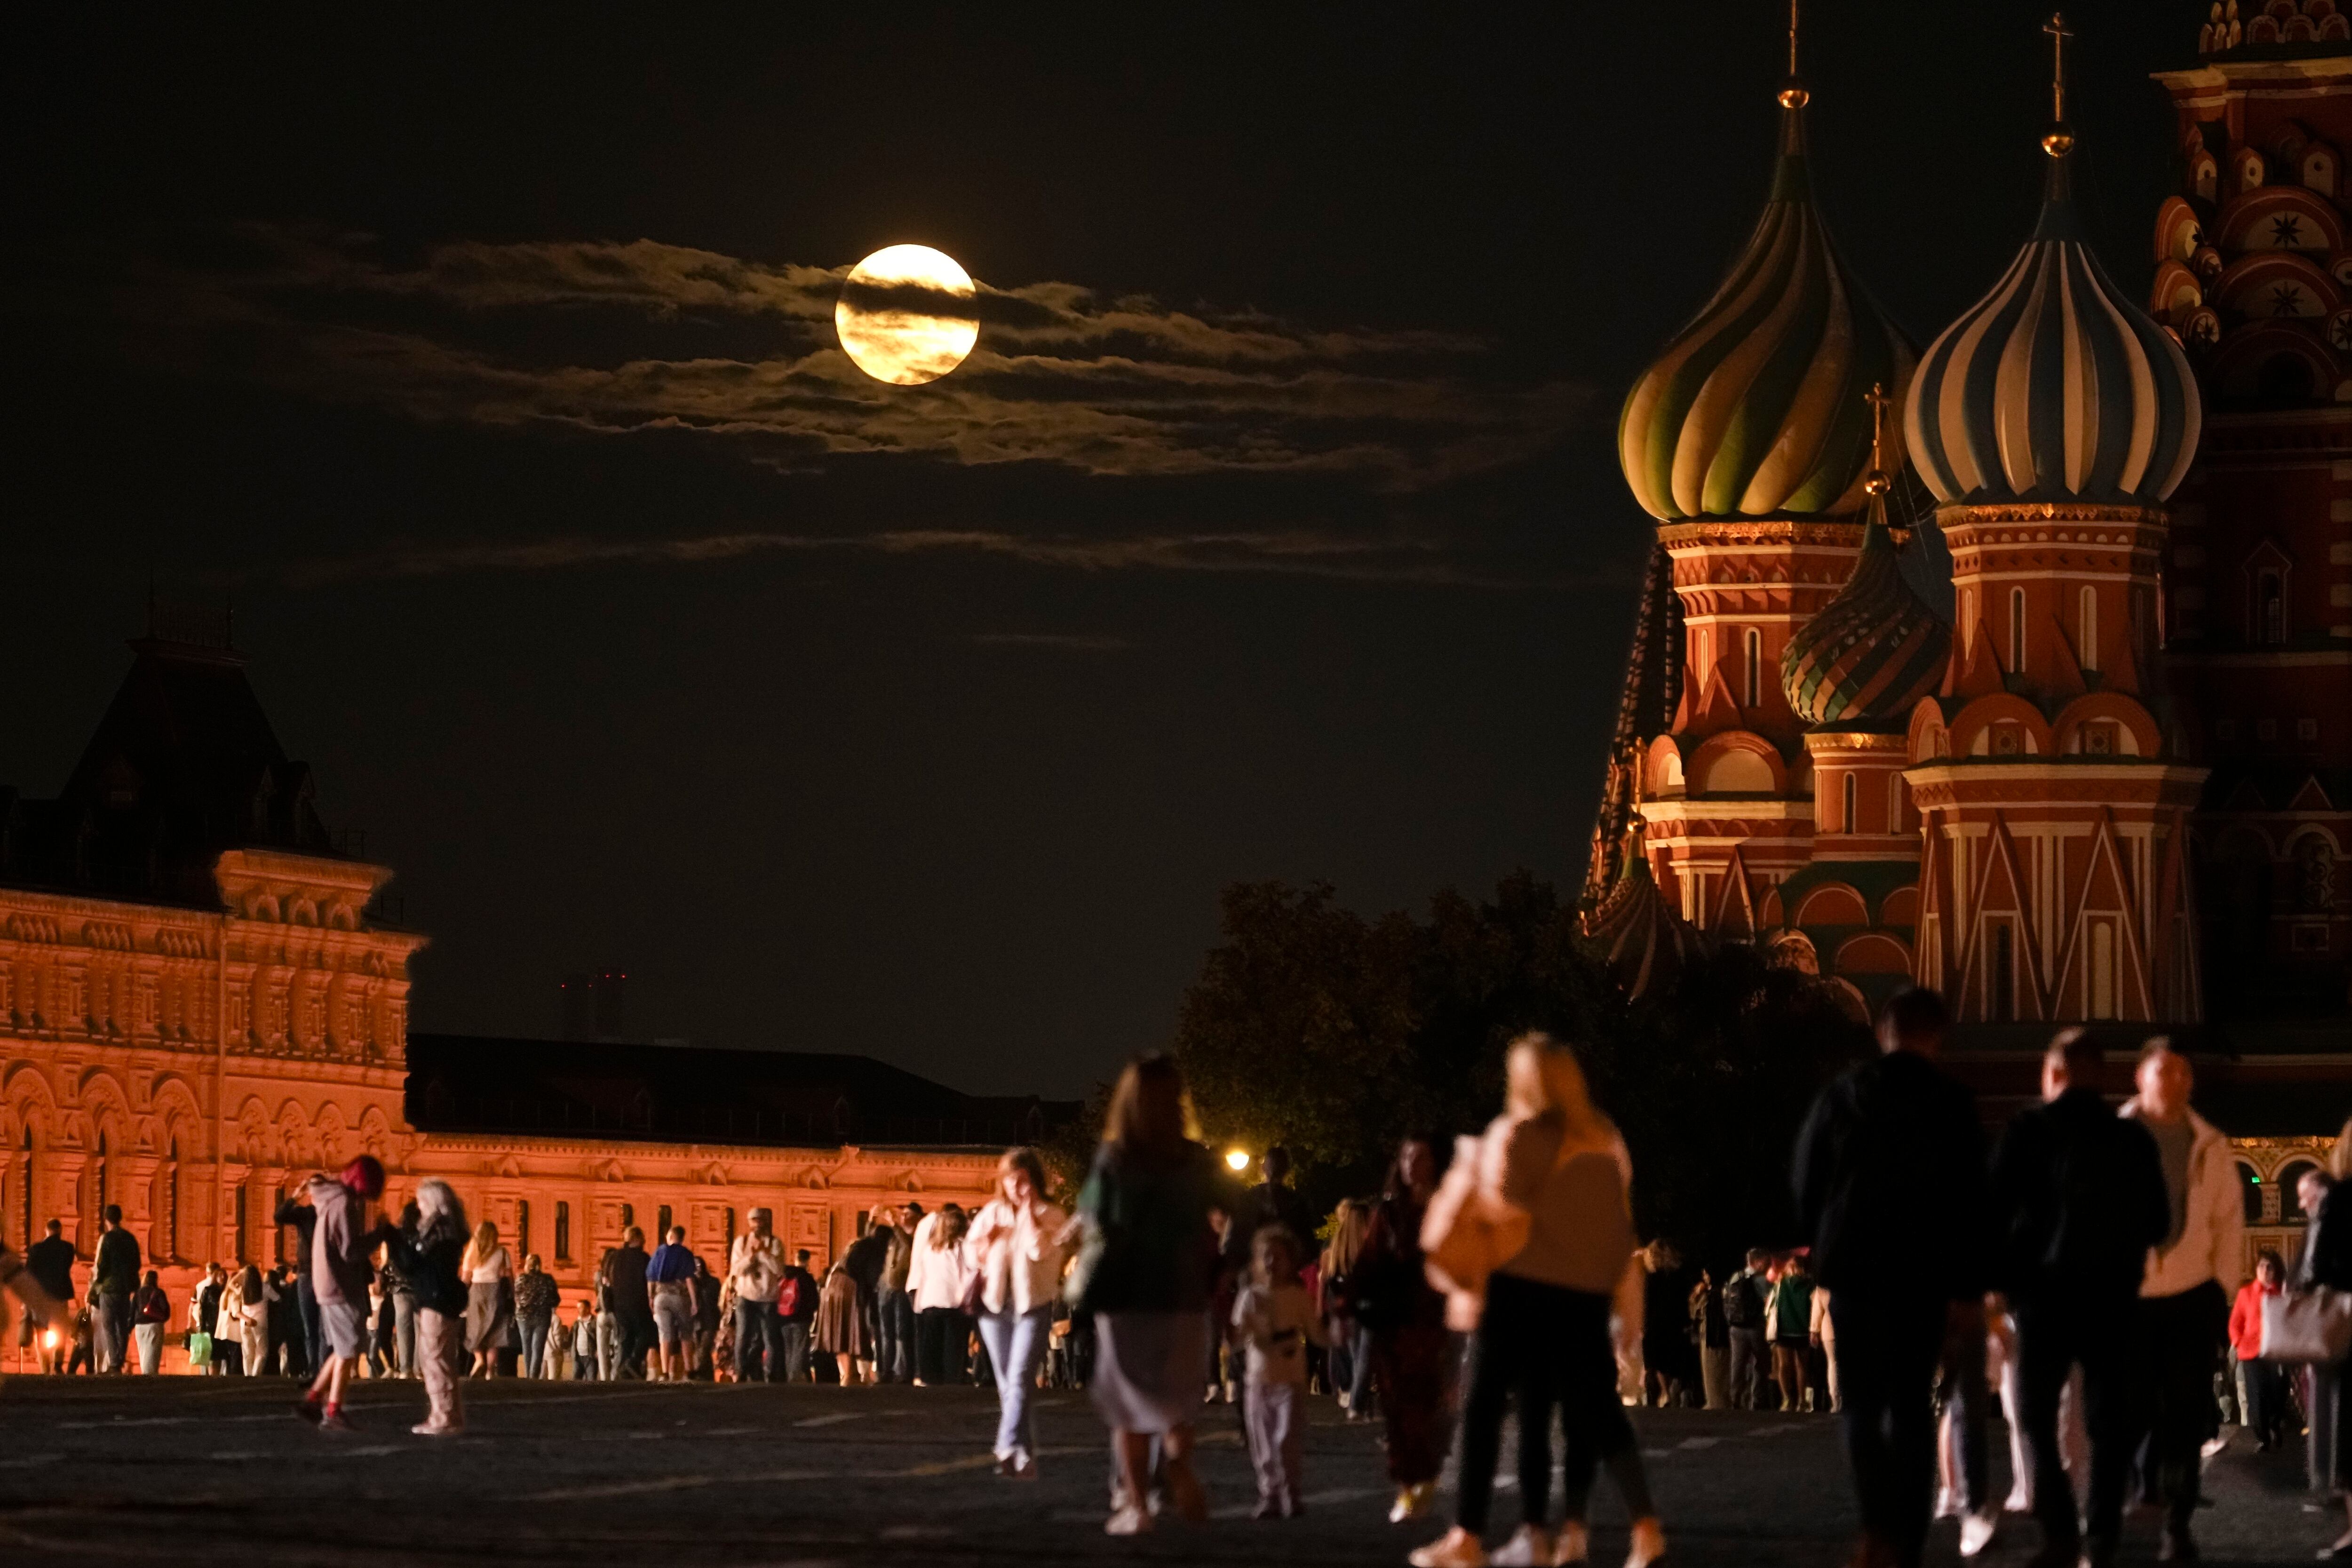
(340, 1243)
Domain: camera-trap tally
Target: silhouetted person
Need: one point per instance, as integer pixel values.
(1271, 1202)
(1890, 1175)
(2078, 1200)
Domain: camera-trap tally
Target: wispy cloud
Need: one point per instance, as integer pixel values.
(622, 338)
(1062, 642)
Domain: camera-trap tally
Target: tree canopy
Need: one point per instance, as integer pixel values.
(1333, 1034)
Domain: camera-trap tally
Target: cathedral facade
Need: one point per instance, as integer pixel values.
(2096, 767)
(200, 1005)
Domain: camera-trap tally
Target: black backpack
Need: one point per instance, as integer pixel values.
(1743, 1308)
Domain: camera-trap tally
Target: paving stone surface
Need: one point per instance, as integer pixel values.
(192, 1471)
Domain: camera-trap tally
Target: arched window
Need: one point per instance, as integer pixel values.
(2250, 1194)
(2290, 1177)
(1753, 642)
(563, 1233)
(523, 1227)
(2017, 631)
(628, 1216)
(1847, 806)
(2090, 628)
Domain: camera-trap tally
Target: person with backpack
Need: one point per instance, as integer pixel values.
(1552, 1199)
(755, 1267)
(2078, 1199)
(796, 1303)
(1743, 1317)
(1889, 1181)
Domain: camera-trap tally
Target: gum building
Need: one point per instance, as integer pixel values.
(201, 1003)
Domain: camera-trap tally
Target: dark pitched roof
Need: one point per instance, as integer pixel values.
(656, 1093)
(182, 765)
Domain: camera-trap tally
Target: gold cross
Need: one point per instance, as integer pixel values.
(1792, 38)
(1879, 404)
(2059, 32)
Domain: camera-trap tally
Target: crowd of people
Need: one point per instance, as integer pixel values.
(2082, 1268)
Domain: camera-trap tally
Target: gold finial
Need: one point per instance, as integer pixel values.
(1876, 482)
(1792, 88)
(2059, 140)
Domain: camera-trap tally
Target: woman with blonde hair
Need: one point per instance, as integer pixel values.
(1350, 1355)
(429, 1250)
(1554, 1168)
(1147, 1261)
(488, 1273)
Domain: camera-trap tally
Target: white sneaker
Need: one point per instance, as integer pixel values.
(1976, 1531)
(1530, 1548)
(1128, 1522)
(1457, 1548)
(1649, 1543)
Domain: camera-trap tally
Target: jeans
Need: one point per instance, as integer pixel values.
(1749, 1362)
(1017, 1342)
(534, 1347)
(1360, 1371)
(794, 1332)
(109, 1331)
(403, 1334)
(2051, 1339)
(583, 1361)
(314, 1343)
(1548, 1346)
(608, 1345)
(1886, 1356)
(2266, 1409)
(757, 1342)
(894, 1315)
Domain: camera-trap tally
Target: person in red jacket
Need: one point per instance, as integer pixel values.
(2264, 1380)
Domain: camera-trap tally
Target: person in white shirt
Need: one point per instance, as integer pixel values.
(1016, 1247)
(937, 1277)
(755, 1267)
(1274, 1321)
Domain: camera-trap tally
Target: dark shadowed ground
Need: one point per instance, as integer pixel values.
(189, 1472)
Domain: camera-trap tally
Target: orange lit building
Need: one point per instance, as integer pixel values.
(201, 1007)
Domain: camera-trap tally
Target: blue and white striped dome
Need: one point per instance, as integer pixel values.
(2054, 386)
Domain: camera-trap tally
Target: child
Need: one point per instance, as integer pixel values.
(1274, 1321)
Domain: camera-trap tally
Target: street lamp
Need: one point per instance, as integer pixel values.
(1237, 1160)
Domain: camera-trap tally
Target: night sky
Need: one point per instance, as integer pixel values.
(1273, 530)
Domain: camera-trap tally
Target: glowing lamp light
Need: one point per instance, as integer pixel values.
(1237, 1159)
(52, 1340)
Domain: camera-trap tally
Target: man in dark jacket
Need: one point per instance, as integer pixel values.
(1890, 1183)
(302, 1342)
(1271, 1202)
(113, 1279)
(50, 1261)
(2078, 1198)
(623, 1282)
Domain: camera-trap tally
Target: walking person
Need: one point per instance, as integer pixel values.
(430, 1251)
(1889, 1181)
(1274, 1321)
(1350, 1340)
(2184, 1309)
(298, 1338)
(2326, 1261)
(1792, 1331)
(1555, 1164)
(535, 1297)
(1016, 1250)
(151, 1314)
(586, 1367)
(628, 1307)
(1145, 1271)
(669, 1275)
(755, 1268)
(936, 1281)
(488, 1269)
(1743, 1317)
(113, 1281)
(50, 1262)
(2264, 1381)
(1669, 1357)
(1387, 1295)
(341, 1240)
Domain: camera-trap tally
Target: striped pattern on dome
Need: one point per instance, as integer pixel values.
(2054, 386)
(1754, 408)
(1645, 944)
(1872, 651)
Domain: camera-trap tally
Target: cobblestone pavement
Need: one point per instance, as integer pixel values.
(191, 1471)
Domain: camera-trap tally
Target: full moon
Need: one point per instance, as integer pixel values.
(904, 315)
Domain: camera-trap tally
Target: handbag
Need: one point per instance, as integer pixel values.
(2310, 1325)
(1463, 1240)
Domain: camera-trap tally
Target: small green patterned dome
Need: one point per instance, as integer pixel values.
(1755, 409)
(1872, 651)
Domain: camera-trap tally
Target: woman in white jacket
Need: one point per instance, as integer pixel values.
(937, 1277)
(1015, 1246)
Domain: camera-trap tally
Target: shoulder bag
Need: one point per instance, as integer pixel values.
(2311, 1325)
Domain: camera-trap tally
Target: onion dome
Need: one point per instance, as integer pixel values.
(1755, 409)
(1876, 649)
(1645, 943)
(2055, 387)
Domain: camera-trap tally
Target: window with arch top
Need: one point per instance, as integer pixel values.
(1752, 643)
(2017, 631)
(2090, 628)
(2290, 1178)
(1851, 798)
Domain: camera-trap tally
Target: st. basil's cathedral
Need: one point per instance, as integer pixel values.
(2100, 768)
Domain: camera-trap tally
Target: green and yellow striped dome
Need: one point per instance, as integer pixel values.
(1755, 408)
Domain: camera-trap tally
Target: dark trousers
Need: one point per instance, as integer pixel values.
(1409, 1364)
(2177, 1342)
(795, 1333)
(314, 1343)
(759, 1344)
(1545, 1346)
(635, 1336)
(941, 1337)
(2266, 1409)
(2051, 1338)
(1750, 1365)
(1886, 1369)
(894, 1323)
